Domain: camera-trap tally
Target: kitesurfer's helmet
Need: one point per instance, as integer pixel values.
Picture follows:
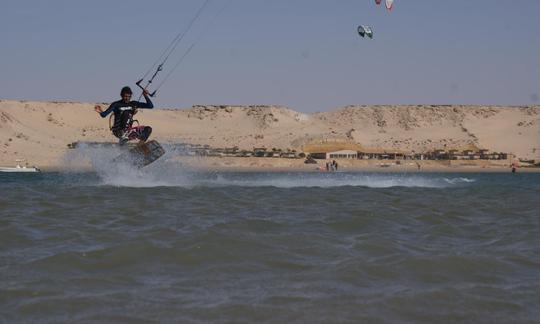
(125, 90)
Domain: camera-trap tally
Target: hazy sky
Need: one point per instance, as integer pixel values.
(305, 54)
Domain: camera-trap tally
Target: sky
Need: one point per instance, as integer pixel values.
(303, 54)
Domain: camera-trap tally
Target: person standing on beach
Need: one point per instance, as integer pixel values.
(124, 110)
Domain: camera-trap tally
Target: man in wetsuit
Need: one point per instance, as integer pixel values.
(124, 110)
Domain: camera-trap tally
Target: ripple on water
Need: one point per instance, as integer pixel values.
(264, 247)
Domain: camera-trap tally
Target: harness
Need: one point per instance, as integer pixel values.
(124, 124)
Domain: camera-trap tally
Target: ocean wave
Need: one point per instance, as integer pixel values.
(459, 180)
(163, 173)
(303, 180)
(179, 178)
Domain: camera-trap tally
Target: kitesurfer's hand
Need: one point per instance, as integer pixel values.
(98, 109)
(145, 93)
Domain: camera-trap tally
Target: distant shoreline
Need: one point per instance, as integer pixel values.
(277, 165)
(40, 132)
(373, 166)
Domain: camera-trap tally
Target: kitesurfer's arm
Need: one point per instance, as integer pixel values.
(102, 113)
(148, 104)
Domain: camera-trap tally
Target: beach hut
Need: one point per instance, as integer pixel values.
(440, 154)
(259, 151)
(343, 154)
(409, 155)
(384, 154)
(455, 154)
(246, 153)
(494, 156)
(369, 154)
(468, 153)
(398, 155)
(231, 151)
(325, 150)
(484, 154)
(288, 155)
(506, 156)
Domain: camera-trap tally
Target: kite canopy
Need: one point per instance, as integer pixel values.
(389, 4)
(378, 2)
(365, 31)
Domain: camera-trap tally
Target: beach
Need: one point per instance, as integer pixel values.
(40, 132)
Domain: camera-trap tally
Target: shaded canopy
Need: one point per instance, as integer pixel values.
(326, 147)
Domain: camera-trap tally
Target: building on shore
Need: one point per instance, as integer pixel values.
(328, 150)
(384, 154)
(332, 149)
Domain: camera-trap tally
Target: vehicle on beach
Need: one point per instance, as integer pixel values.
(19, 168)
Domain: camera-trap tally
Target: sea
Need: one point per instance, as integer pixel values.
(175, 246)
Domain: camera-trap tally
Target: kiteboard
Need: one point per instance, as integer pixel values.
(142, 155)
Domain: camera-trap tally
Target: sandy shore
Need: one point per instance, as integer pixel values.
(40, 132)
(297, 165)
(253, 164)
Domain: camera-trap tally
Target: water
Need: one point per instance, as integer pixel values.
(165, 245)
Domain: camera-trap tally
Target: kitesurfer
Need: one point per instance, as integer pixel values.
(124, 110)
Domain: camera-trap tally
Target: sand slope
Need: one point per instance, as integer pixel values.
(40, 131)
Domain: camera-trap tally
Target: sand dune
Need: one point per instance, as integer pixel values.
(40, 131)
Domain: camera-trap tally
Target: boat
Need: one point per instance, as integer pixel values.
(19, 168)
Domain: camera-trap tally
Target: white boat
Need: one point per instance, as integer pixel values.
(19, 168)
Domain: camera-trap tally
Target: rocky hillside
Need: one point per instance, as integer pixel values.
(40, 131)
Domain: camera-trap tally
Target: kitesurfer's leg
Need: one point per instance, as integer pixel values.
(142, 133)
(123, 141)
(122, 136)
(145, 133)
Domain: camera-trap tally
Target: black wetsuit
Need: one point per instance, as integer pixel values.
(123, 115)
